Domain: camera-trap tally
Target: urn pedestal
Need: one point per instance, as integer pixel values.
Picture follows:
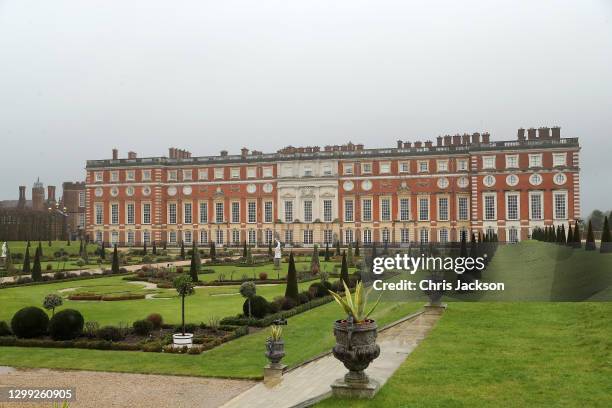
(356, 348)
(275, 351)
(182, 340)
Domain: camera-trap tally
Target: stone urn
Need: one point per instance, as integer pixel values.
(182, 340)
(435, 295)
(275, 351)
(356, 348)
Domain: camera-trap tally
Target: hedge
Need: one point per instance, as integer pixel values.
(13, 284)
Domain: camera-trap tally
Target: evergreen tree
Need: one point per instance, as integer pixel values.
(590, 240)
(357, 248)
(26, 261)
(562, 239)
(349, 258)
(144, 249)
(327, 252)
(577, 239)
(292, 284)
(244, 250)
(315, 265)
(344, 277)
(81, 248)
(103, 251)
(570, 236)
(463, 253)
(270, 251)
(473, 251)
(213, 251)
(553, 235)
(196, 263)
(154, 249)
(40, 249)
(606, 245)
(182, 250)
(338, 248)
(115, 264)
(68, 240)
(36, 268)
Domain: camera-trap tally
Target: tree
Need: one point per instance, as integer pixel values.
(327, 252)
(570, 235)
(196, 263)
(577, 239)
(102, 251)
(244, 250)
(344, 277)
(26, 261)
(292, 284)
(115, 264)
(184, 288)
(562, 238)
(213, 251)
(182, 250)
(270, 252)
(36, 269)
(315, 265)
(68, 240)
(248, 290)
(606, 245)
(154, 249)
(357, 248)
(590, 240)
(338, 247)
(51, 302)
(144, 248)
(349, 256)
(40, 249)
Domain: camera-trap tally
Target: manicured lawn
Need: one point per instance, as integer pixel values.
(507, 355)
(18, 247)
(306, 335)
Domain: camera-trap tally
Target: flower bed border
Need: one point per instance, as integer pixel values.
(7, 285)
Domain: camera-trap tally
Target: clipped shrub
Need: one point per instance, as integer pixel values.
(49, 267)
(263, 276)
(110, 333)
(318, 289)
(189, 328)
(152, 347)
(66, 325)
(91, 328)
(156, 320)
(30, 322)
(288, 303)
(259, 306)
(81, 262)
(142, 327)
(304, 297)
(5, 330)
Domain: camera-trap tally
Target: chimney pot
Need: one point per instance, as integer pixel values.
(456, 140)
(544, 133)
(439, 141)
(476, 138)
(531, 134)
(447, 140)
(131, 155)
(115, 154)
(223, 153)
(486, 138)
(521, 134)
(399, 144)
(429, 143)
(465, 139)
(556, 133)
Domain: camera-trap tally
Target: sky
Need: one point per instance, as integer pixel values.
(78, 78)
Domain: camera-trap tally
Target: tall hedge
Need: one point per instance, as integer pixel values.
(115, 264)
(590, 240)
(292, 283)
(36, 268)
(344, 269)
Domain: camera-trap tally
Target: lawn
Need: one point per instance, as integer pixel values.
(18, 247)
(507, 355)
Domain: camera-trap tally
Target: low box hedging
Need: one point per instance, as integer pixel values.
(27, 281)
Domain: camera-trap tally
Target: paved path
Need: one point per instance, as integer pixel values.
(310, 383)
(101, 389)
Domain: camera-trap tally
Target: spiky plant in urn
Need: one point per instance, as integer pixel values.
(275, 346)
(356, 344)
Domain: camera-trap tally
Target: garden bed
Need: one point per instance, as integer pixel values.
(69, 278)
(110, 298)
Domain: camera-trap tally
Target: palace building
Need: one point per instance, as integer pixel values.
(411, 192)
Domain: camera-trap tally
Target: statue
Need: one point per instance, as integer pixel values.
(4, 250)
(277, 254)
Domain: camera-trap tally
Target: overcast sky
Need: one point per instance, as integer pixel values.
(78, 78)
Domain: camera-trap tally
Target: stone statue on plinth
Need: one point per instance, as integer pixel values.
(277, 254)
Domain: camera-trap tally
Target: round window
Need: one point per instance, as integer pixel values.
(488, 181)
(535, 179)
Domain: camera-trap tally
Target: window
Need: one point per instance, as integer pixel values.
(462, 210)
(488, 162)
(366, 213)
(81, 220)
(130, 176)
(348, 236)
(535, 206)
(489, 207)
(236, 236)
(146, 175)
(535, 160)
(203, 237)
(366, 168)
(348, 168)
(307, 236)
(235, 172)
(268, 211)
(308, 211)
(130, 214)
(288, 211)
(114, 237)
(463, 235)
(559, 159)
(462, 165)
(327, 236)
(535, 179)
(235, 212)
(203, 213)
(203, 175)
(146, 237)
(443, 209)
(146, 213)
(423, 166)
(513, 235)
(327, 170)
(81, 199)
(327, 210)
(187, 237)
(219, 237)
(559, 179)
(268, 236)
(404, 167)
(267, 171)
(308, 171)
(187, 175)
(348, 211)
(512, 161)
(99, 177)
(172, 175)
(219, 216)
(488, 180)
(251, 172)
(560, 200)
(99, 237)
(385, 209)
(115, 214)
(289, 236)
(442, 165)
(99, 213)
(114, 176)
(512, 210)
(404, 209)
(386, 235)
(218, 173)
(187, 213)
(405, 235)
(443, 236)
(385, 167)
(172, 237)
(367, 236)
(172, 213)
(252, 237)
(251, 211)
(423, 209)
(424, 235)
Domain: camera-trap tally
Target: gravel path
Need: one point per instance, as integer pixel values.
(102, 389)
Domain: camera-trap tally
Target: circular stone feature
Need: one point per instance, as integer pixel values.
(251, 188)
(99, 192)
(442, 182)
(463, 182)
(488, 181)
(129, 191)
(146, 190)
(366, 185)
(512, 180)
(348, 186)
(172, 191)
(267, 188)
(559, 179)
(114, 191)
(535, 179)
(187, 190)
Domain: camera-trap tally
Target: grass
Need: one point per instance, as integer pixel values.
(506, 355)
(18, 247)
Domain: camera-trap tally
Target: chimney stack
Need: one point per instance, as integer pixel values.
(244, 152)
(407, 145)
(456, 140)
(115, 154)
(531, 134)
(556, 133)
(476, 138)
(418, 144)
(131, 155)
(439, 141)
(51, 194)
(223, 153)
(465, 139)
(399, 144)
(544, 133)
(429, 143)
(521, 134)
(22, 197)
(486, 138)
(447, 140)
